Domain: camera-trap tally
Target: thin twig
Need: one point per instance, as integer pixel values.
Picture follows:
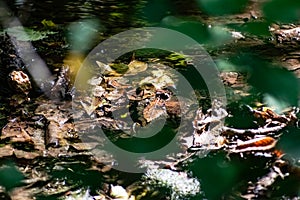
(253, 131)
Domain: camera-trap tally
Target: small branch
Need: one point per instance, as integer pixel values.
(174, 165)
(253, 131)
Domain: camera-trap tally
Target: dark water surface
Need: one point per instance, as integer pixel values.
(113, 14)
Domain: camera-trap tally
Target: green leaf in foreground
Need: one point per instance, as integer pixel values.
(27, 34)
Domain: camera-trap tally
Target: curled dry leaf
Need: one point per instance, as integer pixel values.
(20, 82)
(269, 114)
(135, 67)
(207, 128)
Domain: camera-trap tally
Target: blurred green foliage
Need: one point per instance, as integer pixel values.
(10, 176)
(279, 86)
(222, 7)
(201, 32)
(156, 10)
(82, 33)
(284, 11)
(256, 28)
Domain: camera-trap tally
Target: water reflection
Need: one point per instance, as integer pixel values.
(113, 14)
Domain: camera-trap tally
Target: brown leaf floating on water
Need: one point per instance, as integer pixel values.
(207, 128)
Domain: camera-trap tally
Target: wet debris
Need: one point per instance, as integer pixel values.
(14, 78)
(290, 35)
(259, 189)
(207, 134)
(143, 99)
(61, 89)
(179, 183)
(21, 140)
(48, 131)
(244, 142)
(262, 138)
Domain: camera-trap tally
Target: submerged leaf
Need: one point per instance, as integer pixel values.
(136, 66)
(48, 23)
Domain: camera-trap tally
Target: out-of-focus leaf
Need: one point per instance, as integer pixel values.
(222, 7)
(202, 33)
(285, 11)
(278, 104)
(83, 33)
(289, 143)
(256, 28)
(10, 176)
(156, 10)
(116, 15)
(279, 83)
(275, 81)
(27, 34)
(196, 30)
(224, 65)
(219, 35)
